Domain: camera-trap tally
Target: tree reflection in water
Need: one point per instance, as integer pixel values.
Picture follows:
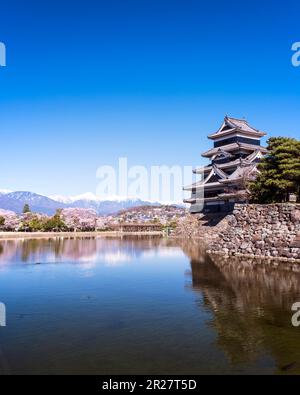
(80, 249)
(250, 301)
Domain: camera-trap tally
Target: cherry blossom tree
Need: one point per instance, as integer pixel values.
(11, 221)
(79, 218)
(102, 223)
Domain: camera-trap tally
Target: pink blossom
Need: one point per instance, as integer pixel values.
(79, 218)
(12, 221)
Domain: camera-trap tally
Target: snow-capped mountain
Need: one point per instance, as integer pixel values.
(4, 191)
(91, 197)
(110, 205)
(15, 201)
(71, 199)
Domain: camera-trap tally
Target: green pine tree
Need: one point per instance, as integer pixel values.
(55, 223)
(279, 172)
(26, 209)
(36, 224)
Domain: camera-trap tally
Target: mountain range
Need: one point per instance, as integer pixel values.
(15, 201)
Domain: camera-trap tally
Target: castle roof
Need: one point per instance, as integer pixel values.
(249, 159)
(233, 125)
(244, 171)
(215, 171)
(234, 147)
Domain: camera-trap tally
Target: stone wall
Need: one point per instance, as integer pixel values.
(261, 230)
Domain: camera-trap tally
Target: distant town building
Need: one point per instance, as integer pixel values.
(233, 162)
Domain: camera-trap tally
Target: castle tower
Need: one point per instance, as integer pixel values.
(233, 161)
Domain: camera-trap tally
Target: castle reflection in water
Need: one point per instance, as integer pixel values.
(250, 301)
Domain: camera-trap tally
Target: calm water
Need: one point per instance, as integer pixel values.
(143, 305)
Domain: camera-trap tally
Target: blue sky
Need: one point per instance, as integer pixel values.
(88, 82)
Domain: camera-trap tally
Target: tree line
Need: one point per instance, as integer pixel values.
(70, 219)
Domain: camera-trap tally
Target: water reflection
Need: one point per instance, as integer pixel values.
(251, 304)
(113, 251)
(144, 305)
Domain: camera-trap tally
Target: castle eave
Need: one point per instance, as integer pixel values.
(235, 147)
(201, 185)
(189, 201)
(246, 161)
(234, 195)
(201, 200)
(250, 134)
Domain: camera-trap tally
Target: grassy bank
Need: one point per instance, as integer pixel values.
(34, 235)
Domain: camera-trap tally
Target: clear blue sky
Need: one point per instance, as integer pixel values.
(88, 81)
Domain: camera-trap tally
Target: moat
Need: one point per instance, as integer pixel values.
(143, 305)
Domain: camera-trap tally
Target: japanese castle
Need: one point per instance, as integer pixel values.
(233, 162)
